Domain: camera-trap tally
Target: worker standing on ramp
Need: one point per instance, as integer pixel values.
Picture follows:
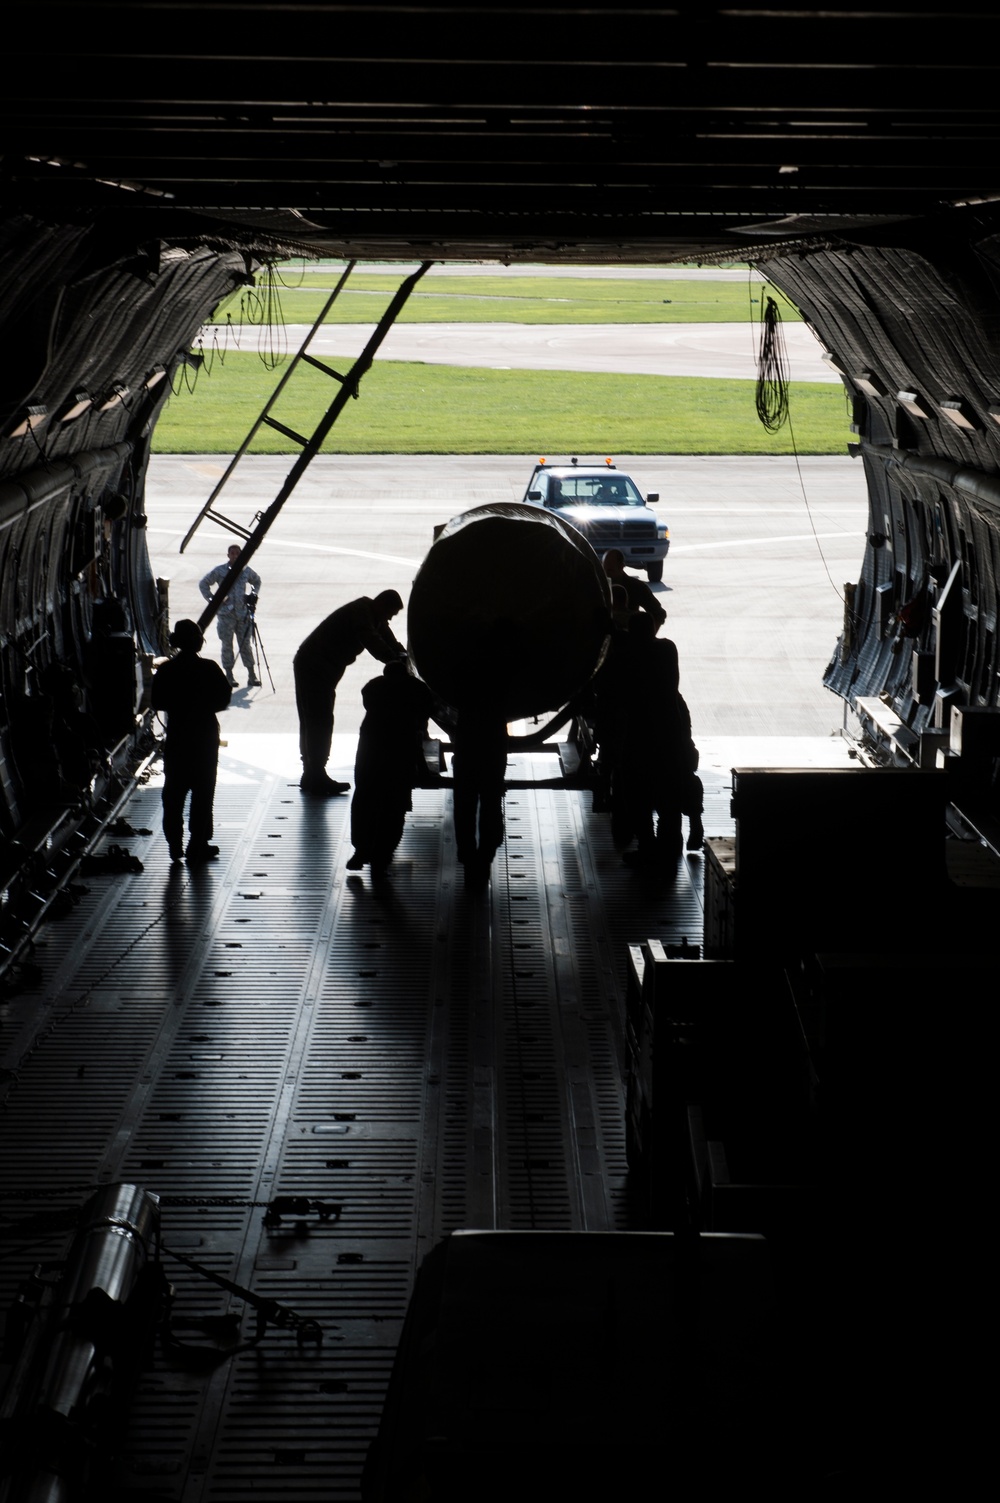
(234, 618)
(656, 760)
(190, 691)
(478, 767)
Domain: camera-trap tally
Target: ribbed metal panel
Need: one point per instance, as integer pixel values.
(301, 1430)
(414, 1056)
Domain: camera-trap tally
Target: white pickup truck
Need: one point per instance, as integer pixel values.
(607, 506)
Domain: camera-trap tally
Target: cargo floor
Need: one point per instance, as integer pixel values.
(414, 1057)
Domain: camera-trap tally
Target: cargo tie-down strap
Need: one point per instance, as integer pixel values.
(269, 1312)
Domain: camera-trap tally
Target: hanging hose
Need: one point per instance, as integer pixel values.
(772, 370)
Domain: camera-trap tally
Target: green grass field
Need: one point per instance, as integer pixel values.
(499, 299)
(437, 409)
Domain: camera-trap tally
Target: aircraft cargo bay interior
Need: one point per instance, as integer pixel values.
(621, 1131)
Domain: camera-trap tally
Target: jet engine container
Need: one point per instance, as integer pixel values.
(511, 607)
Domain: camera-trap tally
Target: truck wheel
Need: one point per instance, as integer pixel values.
(655, 572)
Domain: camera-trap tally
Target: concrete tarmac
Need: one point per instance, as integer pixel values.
(727, 350)
(605, 271)
(753, 582)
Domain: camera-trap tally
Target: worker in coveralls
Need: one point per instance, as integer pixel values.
(656, 760)
(389, 762)
(360, 626)
(234, 618)
(638, 594)
(479, 765)
(190, 690)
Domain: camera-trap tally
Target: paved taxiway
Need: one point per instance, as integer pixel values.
(760, 551)
(606, 271)
(728, 350)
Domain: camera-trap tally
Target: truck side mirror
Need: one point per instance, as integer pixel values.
(652, 498)
(534, 495)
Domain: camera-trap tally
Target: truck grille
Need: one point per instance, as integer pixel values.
(617, 532)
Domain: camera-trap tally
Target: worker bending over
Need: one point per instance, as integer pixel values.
(360, 626)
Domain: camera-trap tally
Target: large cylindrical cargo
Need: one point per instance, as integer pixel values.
(511, 607)
(76, 1367)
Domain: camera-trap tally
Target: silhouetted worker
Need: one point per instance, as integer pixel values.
(479, 741)
(190, 690)
(361, 625)
(389, 761)
(640, 596)
(621, 611)
(609, 690)
(693, 794)
(234, 617)
(656, 758)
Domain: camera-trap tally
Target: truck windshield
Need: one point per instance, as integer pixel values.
(593, 490)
